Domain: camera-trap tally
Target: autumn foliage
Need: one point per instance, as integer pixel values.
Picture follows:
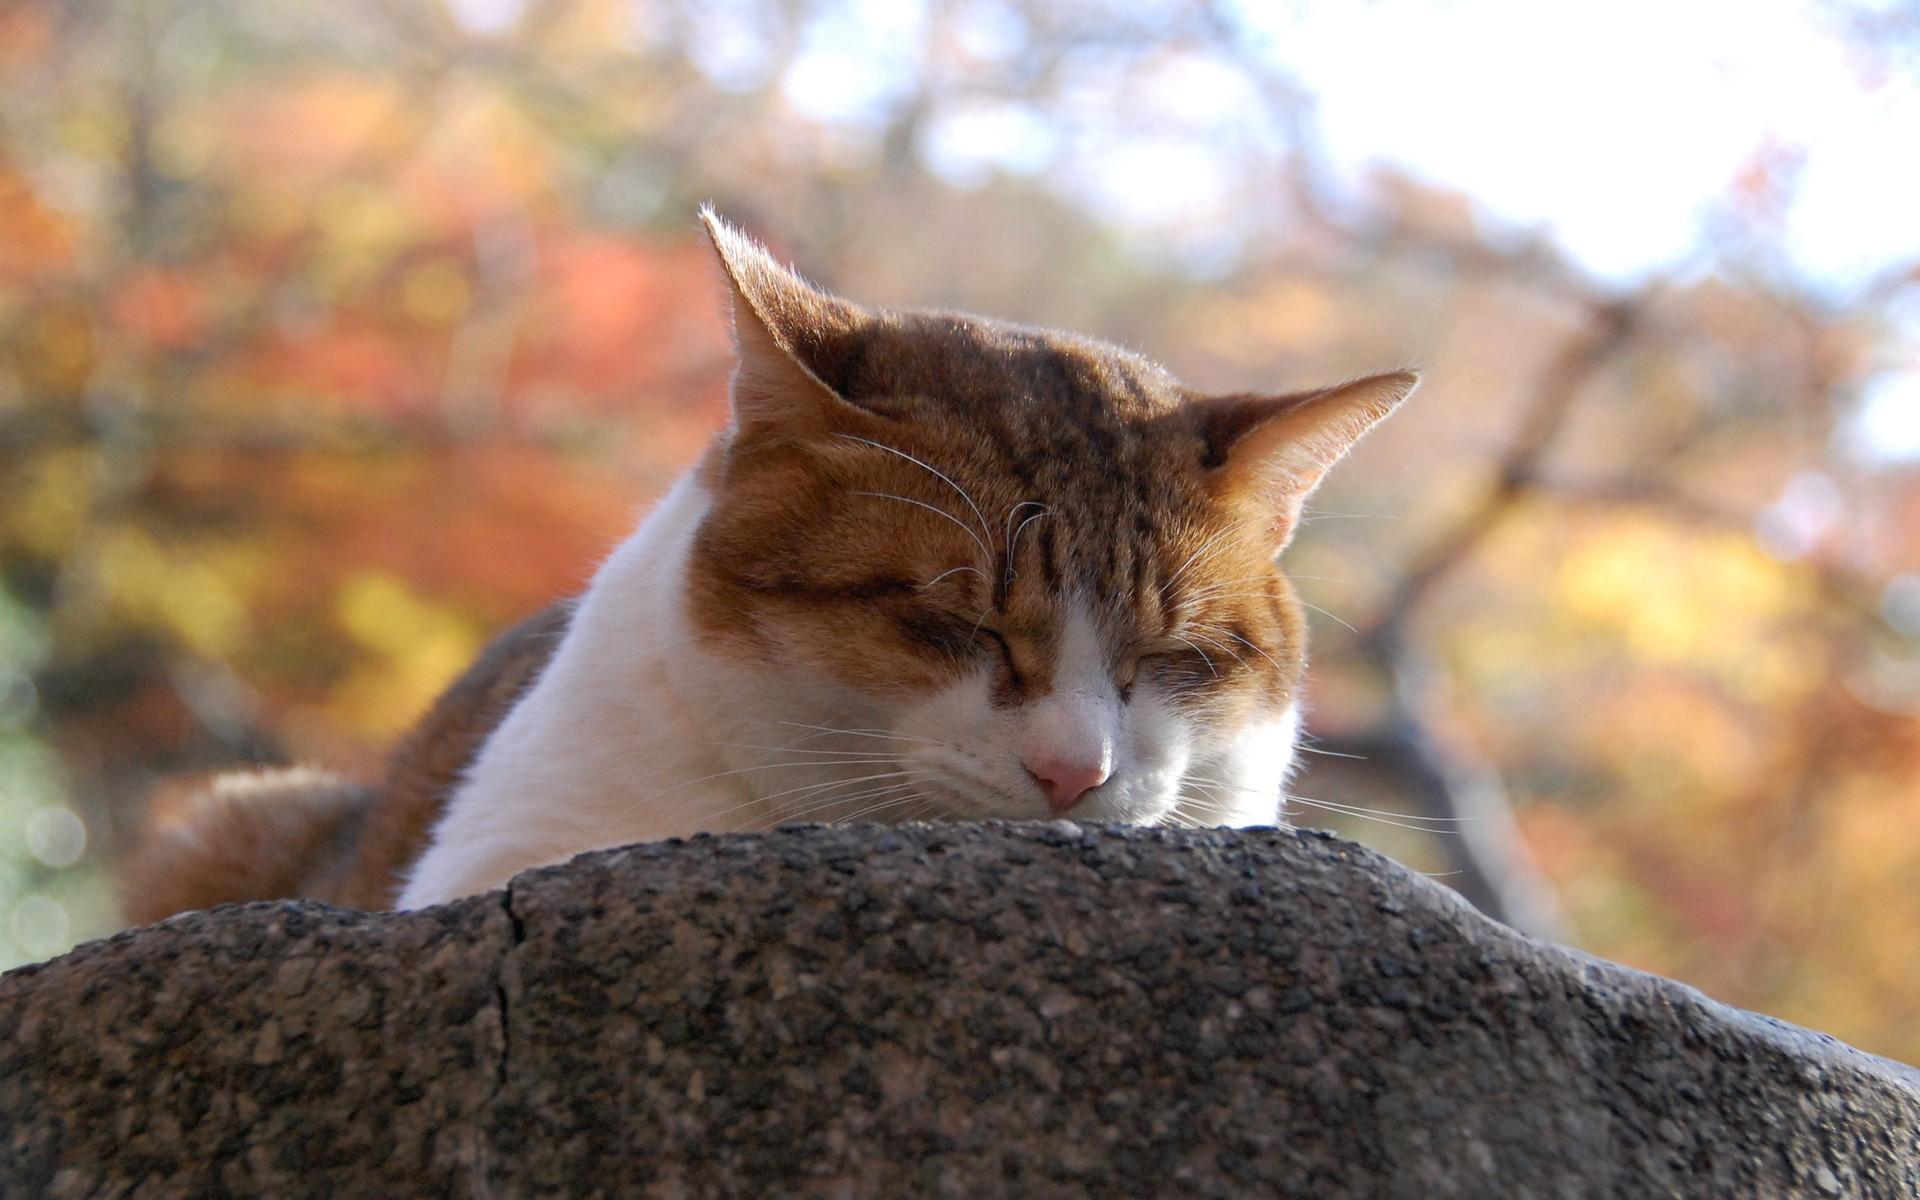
(331, 344)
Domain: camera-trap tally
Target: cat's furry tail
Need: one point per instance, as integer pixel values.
(246, 835)
(287, 832)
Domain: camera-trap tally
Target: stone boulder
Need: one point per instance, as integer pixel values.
(967, 1011)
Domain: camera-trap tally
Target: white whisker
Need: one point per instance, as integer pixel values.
(1201, 653)
(877, 733)
(796, 812)
(894, 802)
(1329, 616)
(776, 766)
(1306, 749)
(1244, 642)
(803, 792)
(1219, 587)
(936, 511)
(848, 756)
(1232, 596)
(984, 528)
(1218, 645)
(1208, 804)
(1219, 536)
(1347, 812)
(807, 789)
(1007, 524)
(1013, 541)
(1314, 514)
(952, 571)
(1386, 816)
(821, 804)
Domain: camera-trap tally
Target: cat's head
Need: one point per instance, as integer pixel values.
(1039, 569)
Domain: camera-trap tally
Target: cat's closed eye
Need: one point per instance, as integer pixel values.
(947, 633)
(1004, 648)
(1180, 665)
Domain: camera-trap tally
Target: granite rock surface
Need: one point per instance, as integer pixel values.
(965, 1011)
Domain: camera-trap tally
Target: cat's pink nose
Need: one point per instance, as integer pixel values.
(1065, 781)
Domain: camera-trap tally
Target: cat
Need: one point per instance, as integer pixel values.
(937, 567)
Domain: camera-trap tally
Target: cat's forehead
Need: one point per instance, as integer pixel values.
(1061, 447)
(930, 363)
(1061, 439)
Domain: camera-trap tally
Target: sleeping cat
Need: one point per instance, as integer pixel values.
(937, 567)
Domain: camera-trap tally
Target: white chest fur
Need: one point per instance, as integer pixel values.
(603, 749)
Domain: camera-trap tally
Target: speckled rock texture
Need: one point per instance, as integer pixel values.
(1044, 1010)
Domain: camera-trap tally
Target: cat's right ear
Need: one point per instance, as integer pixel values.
(1272, 451)
(789, 337)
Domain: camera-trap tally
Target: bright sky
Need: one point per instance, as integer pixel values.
(1618, 129)
(1619, 126)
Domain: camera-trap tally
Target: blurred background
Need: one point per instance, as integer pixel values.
(335, 337)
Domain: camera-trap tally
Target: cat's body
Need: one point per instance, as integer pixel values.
(938, 567)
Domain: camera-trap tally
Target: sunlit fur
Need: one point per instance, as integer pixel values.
(930, 551)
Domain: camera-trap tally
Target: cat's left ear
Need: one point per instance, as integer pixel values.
(792, 339)
(1274, 450)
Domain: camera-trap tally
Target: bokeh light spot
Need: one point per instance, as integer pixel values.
(56, 836)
